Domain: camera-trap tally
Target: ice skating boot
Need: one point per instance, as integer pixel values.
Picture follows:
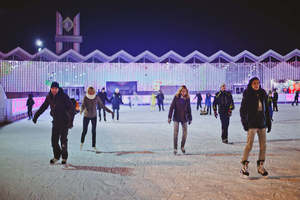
(81, 146)
(183, 150)
(175, 151)
(64, 161)
(244, 171)
(95, 149)
(53, 161)
(260, 168)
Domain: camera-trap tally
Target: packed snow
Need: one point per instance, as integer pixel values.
(135, 159)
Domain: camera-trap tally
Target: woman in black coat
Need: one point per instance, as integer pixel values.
(255, 118)
(180, 110)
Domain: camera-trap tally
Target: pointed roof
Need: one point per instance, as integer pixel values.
(147, 55)
(198, 55)
(19, 52)
(271, 53)
(173, 55)
(247, 54)
(71, 54)
(1, 55)
(123, 55)
(221, 54)
(46, 53)
(98, 55)
(292, 54)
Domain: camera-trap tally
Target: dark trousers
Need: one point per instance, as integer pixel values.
(161, 106)
(199, 105)
(62, 135)
(275, 107)
(86, 122)
(104, 114)
(209, 109)
(295, 101)
(29, 112)
(117, 113)
(225, 123)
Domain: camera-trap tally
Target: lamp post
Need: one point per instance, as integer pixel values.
(39, 44)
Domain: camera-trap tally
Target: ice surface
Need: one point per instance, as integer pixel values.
(136, 161)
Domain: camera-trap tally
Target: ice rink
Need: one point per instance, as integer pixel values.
(136, 160)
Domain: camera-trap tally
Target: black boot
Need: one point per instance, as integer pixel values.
(244, 171)
(260, 168)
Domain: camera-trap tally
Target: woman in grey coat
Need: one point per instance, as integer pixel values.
(89, 107)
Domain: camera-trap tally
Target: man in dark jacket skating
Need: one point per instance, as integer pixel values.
(62, 112)
(275, 100)
(103, 97)
(160, 100)
(296, 98)
(199, 100)
(223, 103)
(29, 104)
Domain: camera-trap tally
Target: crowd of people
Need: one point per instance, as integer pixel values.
(256, 113)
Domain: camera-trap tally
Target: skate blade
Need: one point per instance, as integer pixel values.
(244, 176)
(68, 167)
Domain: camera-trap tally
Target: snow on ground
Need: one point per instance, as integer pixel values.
(136, 161)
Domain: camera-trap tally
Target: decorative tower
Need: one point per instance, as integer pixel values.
(64, 38)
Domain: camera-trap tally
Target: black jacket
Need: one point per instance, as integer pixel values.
(160, 97)
(30, 102)
(250, 116)
(182, 110)
(62, 109)
(103, 97)
(224, 101)
(275, 97)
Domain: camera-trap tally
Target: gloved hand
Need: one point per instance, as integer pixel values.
(269, 128)
(229, 112)
(216, 114)
(189, 122)
(169, 120)
(34, 120)
(245, 127)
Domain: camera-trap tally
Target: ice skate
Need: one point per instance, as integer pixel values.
(64, 161)
(175, 151)
(81, 146)
(95, 149)
(183, 150)
(53, 161)
(260, 168)
(244, 171)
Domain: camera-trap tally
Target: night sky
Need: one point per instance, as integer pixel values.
(157, 26)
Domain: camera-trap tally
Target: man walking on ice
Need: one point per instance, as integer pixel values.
(62, 112)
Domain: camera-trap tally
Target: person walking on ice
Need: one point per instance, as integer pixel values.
(223, 100)
(62, 112)
(116, 100)
(255, 117)
(180, 110)
(89, 107)
(30, 102)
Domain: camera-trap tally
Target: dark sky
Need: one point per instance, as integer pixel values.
(157, 26)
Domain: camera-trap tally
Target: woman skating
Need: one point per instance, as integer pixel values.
(255, 118)
(89, 107)
(180, 109)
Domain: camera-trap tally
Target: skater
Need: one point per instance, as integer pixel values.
(275, 100)
(270, 100)
(255, 118)
(180, 109)
(223, 99)
(30, 102)
(160, 100)
(88, 106)
(103, 97)
(199, 100)
(296, 98)
(62, 112)
(153, 102)
(116, 100)
(208, 102)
